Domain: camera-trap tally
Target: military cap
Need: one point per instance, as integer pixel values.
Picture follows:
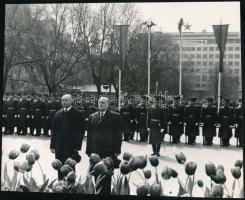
(210, 99)
(177, 97)
(226, 100)
(193, 99)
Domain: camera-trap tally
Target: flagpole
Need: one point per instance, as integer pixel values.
(149, 61)
(180, 66)
(119, 89)
(219, 87)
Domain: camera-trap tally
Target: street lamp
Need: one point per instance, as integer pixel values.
(149, 24)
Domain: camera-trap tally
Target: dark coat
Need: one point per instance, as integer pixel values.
(226, 114)
(176, 117)
(209, 119)
(67, 133)
(127, 118)
(155, 123)
(104, 135)
(141, 117)
(192, 117)
(238, 116)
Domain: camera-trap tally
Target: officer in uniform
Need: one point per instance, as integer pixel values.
(126, 119)
(52, 108)
(24, 112)
(209, 119)
(239, 131)
(4, 115)
(12, 106)
(176, 119)
(192, 119)
(38, 114)
(155, 126)
(141, 118)
(225, 119)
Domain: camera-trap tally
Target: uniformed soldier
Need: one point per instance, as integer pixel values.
(51, 108)
(155, 126)
(38, 114)
(238, 116)
(24, 112)
(176, 119)
(12, 107)
(141, 118)
(192, 119)
(225, 119)
(126, 117)
(4, 115)
(209, 120)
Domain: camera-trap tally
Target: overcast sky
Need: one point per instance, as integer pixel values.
(201, 15)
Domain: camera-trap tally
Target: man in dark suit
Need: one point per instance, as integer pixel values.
(67, 131)
(104, 138)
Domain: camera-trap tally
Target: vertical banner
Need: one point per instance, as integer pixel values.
(220, 32)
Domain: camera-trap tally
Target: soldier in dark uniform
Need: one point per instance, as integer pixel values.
(52, 108)
(24, 112)
(38, 114)
(238, 116)
(12, 106)
(141, 118)
(4, 115)
(192, 119)
(155, 125)
(225, 119)
(176, 119)
(209, 119)
(126, 118)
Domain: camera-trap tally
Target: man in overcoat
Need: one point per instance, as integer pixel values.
(67, 131)
(238, 116)
(104, 138)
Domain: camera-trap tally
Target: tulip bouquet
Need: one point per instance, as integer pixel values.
(86, 185)
(218, 179)
(23, 161)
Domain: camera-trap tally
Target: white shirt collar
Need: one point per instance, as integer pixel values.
(67, 109)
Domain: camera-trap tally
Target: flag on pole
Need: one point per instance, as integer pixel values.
(220, 32)
(122, 41)
(181, 23)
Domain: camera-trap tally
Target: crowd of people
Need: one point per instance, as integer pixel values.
(33, 114)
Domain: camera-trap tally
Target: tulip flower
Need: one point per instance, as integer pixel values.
(132, 163)
(217, 191)
(71, 177)
(147, 174)
(60, 189)
(142, 160)
(166, 173)
(16, 166)
(221, 167)
(200, 183)
(71, 162)
(143, 189)
(180, 157)
(109, 163)
(94, 158)
(100, 168)
(219, 178)
(13, 154)
(154, 161)
(210, 169)
(173, 173)
(30, 157)
(65, 169)
(56, 164)
(238, 163)
(36, 154)
(24, 148)
(190, 168)
(127, 156)
(155, 190)
(124, 168)
(236, 172)
(24, 166)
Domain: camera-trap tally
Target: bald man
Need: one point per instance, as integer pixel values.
(104, 137)
(67, 131)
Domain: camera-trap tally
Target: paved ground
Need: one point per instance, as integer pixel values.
(198, 153)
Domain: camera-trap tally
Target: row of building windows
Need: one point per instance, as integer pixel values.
(210, 48)
(211, 63)
(211, 55)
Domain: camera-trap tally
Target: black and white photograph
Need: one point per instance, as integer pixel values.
(129, 98)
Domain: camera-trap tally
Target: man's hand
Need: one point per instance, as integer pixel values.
(161, 130)
(52, 150)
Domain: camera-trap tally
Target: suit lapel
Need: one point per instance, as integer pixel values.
(103, 118)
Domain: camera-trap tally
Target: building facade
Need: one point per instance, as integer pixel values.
(200, 64)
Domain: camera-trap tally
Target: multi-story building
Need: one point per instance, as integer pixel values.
(200, 61)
